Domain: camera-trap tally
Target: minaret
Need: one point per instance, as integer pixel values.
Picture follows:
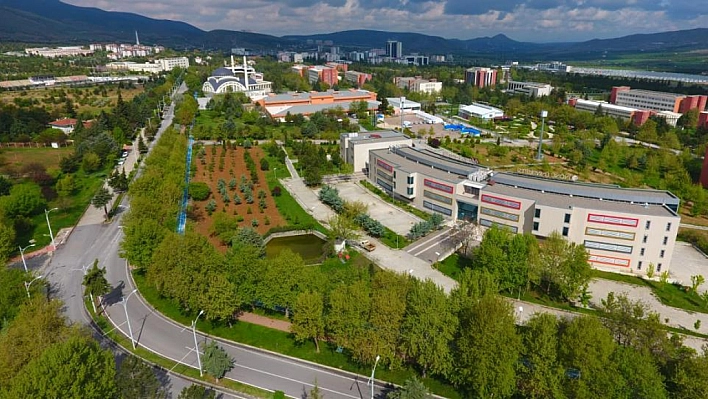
(137, 41)
(233, 67)
(245, 73)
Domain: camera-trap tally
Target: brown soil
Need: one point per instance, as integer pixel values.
(264, 321)
(234, 167)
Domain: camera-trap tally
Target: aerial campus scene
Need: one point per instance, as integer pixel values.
(353, 200)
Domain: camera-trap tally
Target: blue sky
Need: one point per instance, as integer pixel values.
(523, 20)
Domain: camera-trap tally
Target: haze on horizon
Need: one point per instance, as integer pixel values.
(523, 20)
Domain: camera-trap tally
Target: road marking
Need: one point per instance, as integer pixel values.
(425, 242)
(297, 381)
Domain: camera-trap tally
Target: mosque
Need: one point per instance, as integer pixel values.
(237, 79)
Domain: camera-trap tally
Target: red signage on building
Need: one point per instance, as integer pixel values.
(384, 165)
(506, 203)
(438, 186)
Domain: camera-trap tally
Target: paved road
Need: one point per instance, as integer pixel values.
(93, 239)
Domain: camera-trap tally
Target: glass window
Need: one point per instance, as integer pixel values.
(661, 254)
(644, 241)
(647, 225)
(537, 214)
(658, 267)
(639, 265)
(410, 191)
(668, 226)
(565, 232)
(666, 240)
(641, 253)
(567, 218)
(535, 226)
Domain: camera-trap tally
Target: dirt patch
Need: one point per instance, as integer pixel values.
(264, 321)
(234, 167)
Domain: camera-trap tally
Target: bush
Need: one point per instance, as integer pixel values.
(199, 191)
(254, 223)
(330, 197)
(277, 191)
(264, 164)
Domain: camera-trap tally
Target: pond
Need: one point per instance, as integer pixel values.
(308, 246)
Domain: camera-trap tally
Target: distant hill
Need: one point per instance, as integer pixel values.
(51, 21)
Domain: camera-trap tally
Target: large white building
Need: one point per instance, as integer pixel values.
(479, 111)
(418, 85)
(354, 147)
(160, 65)
(68, 51)
(237, 79)
(623, 230)
(531, 89)
(402, 104)
(616, 111)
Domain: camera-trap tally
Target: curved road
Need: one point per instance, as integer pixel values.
(92, 239)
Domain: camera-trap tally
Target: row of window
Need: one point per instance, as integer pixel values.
(437, 197)
(437, 208)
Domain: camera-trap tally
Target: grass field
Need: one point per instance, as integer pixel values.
(13, 159)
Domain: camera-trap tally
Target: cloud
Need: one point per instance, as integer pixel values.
(526, 20)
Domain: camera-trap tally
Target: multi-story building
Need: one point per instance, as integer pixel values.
(531, 89)
(68, 51)
(616, 111)
(481, 77)
(622, 229)
(357, 78)
(417, 60)
(323, 74)
(418, 85)
(656, 100)
(354, 147)
(161, 65)
(394, 49)
(279, 105)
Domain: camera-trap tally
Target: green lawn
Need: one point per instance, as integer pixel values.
(282, 342)
(46, 156)
(453, 265)
(393, 240)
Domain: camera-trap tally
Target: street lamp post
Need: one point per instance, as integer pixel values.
(544, 114)
(196, 346)
(22, 253)
(124, 302)
(275, 173)
(51, 235)
(27, 285)
(371, 380)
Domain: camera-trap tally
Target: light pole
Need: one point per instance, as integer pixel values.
(544, 114)
(196, 346)
(403, 101)
(371, 380)
(51, 235)
(275, 173)
(27, 285)
(22, 253)
(124, 302)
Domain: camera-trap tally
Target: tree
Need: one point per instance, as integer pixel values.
(215, 361)
(428, 328)
(564, 265)
(642, 378)
(541, 375)
(141, 238)
(487, 349)
(136, 379)
(413, 388)
(24, 200)
(199, 191)
(349, 307)
(697, 281)
(95, 283)
(342, 227)
(7, 240)
(142, 147)
(90, 162)
(315, 392)
(308, 319)
(264, 165)
(196, 392)
(312, 175)
(101, 199)
(689, 119)
(76, 368)
(219, 301)
(66, 185)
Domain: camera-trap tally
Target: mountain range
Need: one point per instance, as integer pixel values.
(51, 21)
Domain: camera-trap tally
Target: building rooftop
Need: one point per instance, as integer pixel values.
(410, 166)
(298, 96)
(652, 93)
(65, 122)
(307, 109)
(606, 105)
(591, 191)
(396, 102)
(566, 201)
(366, 137)
(477, 108)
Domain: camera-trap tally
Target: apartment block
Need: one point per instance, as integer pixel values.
(357, 78)
(656, 100)
(323, 74)
(418, 85)
(481, 77)
(531, 89)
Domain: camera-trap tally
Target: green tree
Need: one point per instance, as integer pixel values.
(136, 379)
(689, 119)
(12, 295)
(315, 392)
(219, 301)
(689, 377)
(95, 283)
(101, 200)
(541, 375)
(76, 368)
(487, 349)
(7, 240)
(215, 361)
(428, 328)
(90, 162)
(142, 236)
(413, 388)
(349, 307)
(24, 200)
(341, 226)
(642, 378)
(308, 319)
(38, 325)
(196, 392)
(66, 185)
(564, 265)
